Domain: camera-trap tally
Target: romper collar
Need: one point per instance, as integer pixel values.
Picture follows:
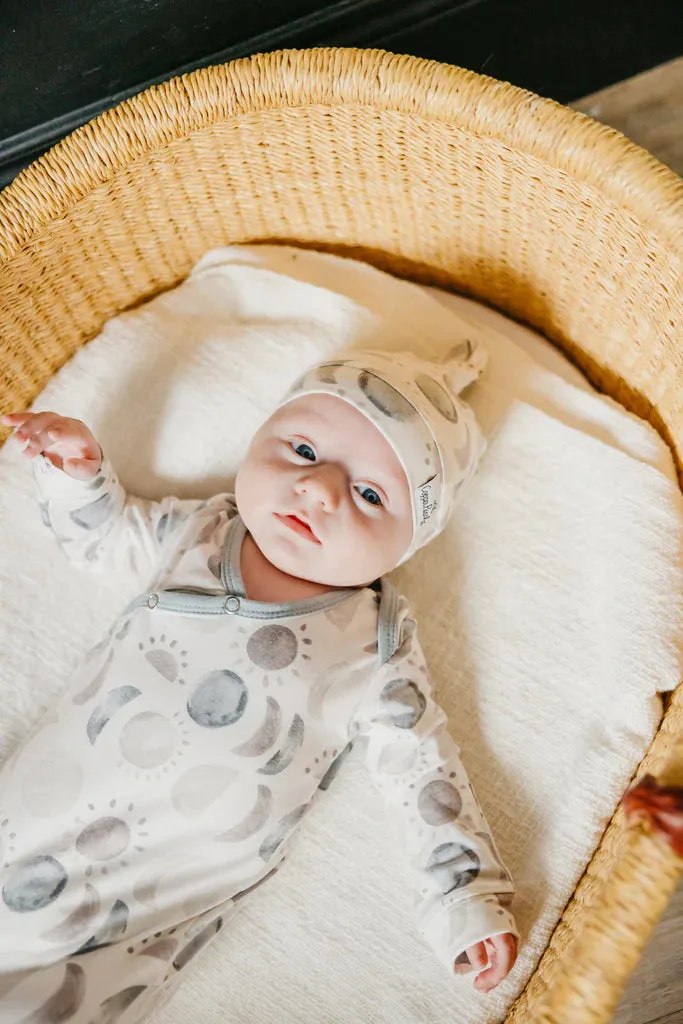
(231, 578)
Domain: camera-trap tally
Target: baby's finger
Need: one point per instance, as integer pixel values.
(477, 956)
(502, 953)
(14, 419)
(34, 423)
(37, 442)
(489, 978)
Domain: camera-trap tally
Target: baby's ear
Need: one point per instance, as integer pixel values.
(464, 363)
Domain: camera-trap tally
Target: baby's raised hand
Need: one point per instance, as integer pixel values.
(67, 443)
(499, 952)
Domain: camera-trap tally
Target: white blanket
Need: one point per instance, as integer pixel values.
(550, 612)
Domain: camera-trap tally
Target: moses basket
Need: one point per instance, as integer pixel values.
(432, 173)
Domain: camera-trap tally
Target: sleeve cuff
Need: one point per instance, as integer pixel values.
(55, 483)
(451, 931)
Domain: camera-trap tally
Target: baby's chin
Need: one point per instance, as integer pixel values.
(303, 565)
(302, 568)
(304, 561)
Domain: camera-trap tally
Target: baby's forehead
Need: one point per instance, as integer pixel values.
(332, 418)
(324, 411)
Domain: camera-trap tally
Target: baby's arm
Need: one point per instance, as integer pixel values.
(94, 521)
(462, 884)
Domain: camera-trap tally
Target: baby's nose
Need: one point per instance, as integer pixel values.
(323, 485)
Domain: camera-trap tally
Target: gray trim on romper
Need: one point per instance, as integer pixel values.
(236, 602)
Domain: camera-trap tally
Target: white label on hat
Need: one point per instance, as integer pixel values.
(426, 500)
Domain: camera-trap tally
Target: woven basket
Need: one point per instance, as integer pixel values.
(432, 173)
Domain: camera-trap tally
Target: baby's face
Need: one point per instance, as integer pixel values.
(324, 495)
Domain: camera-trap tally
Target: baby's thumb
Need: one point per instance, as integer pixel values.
(81, 469)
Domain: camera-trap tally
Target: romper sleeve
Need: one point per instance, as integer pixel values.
(462, 887)
(99, 526)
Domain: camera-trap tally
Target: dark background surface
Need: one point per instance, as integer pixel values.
(64, 61)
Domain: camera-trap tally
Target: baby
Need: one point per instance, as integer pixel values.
(166, 782)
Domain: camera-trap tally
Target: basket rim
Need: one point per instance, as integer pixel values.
(338, 76)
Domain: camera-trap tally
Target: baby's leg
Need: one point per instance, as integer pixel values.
(123, 983)
(92, 850)
(101, 859)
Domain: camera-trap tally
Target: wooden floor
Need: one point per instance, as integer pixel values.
(649, 109)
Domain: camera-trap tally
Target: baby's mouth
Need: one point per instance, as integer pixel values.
(299, 526)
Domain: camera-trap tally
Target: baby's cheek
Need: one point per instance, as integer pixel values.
(254, 487)
(376, 547)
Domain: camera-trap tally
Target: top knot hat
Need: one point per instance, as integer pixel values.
(415, 404)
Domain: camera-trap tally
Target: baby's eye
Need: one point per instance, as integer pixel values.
(369, 495)
(304, 450)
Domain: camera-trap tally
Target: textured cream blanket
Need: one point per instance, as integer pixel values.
(551, 613)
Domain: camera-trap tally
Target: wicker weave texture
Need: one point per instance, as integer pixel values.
(430, 172)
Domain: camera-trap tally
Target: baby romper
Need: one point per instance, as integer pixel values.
(166, 781)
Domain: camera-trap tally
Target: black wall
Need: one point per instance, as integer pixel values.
(63, 61)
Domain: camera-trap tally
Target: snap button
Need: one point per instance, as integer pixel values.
(152, 600)
(232, 605)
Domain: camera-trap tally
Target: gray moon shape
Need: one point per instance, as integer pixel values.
(327, 374)
(163, 949)
(385, 398)
(112, 929)
(145, 889)
(90, 516)
(438, 397)
(462, 352)
(439, 802)
(157, 875)
(198, 787)
(100, 645)
(168, 522)
(278, 836)
(45, 513)
(34, 885)
(342, 615)
(340, 673)
(487, 839)
(453, 866)
(103, 839)
(250, 888)
(113, 702)
(272, 647)
(165, 663)
(206, 531)
(78, 919)
(402, 704)
(125, 630)
(95, 685)
(285, 755)
(318, 692)
(214, 566)
(253, 822)
(331, 773)
(65, 1002)
(265, 735)
(148, 740)
(197, 943)
(111, 1009)
(219, 699)
(396, 759)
